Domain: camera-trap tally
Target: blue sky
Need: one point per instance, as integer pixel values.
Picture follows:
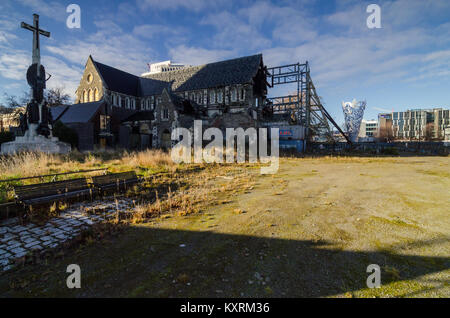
(405, 64)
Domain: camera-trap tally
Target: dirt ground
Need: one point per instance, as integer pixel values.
(309, 230)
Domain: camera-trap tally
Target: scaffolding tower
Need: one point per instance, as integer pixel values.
(305, 108)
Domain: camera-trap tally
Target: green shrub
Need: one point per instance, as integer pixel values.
(65, 133)
(390, 151)
(6, 136)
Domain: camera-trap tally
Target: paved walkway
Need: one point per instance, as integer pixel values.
(17, 241)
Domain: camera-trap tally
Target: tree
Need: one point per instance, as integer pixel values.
(428, 133)
(12, 101)
(57, 96)
(6, 136)
(385, 134)
(65, 134)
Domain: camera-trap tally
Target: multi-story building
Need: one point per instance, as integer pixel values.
(385, 127)
(420, 124)
(160, 67)
(368, 130)
(11, 120)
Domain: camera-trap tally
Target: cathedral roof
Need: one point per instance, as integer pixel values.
(117, 80)
(236, 71)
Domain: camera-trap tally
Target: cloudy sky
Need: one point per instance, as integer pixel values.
(405, 64)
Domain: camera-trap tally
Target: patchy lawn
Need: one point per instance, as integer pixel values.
(310, 230)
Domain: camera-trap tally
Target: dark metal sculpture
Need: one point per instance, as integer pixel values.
(37, 111)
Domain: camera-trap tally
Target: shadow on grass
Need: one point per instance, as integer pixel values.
(150, 262)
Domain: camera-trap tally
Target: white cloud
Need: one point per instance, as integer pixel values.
(234, 32)
(198, 56)
(383, 110)
(13, 65)
(62, 74)
(51, 9)
(109, 45)
(193, 5)
(149, 31)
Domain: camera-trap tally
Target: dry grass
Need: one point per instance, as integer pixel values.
(147, 158)
(30, 164)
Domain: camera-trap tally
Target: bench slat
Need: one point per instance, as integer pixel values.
(50, 188)
(113, 178)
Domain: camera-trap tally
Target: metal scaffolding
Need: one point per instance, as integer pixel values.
(304, 108)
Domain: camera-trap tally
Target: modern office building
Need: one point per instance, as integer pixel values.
(420, 124)
(368, 130)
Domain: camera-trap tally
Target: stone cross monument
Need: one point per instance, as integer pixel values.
(38, 120)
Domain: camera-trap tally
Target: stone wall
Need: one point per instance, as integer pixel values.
(90, 81)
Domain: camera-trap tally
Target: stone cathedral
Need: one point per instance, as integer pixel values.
(117, 109)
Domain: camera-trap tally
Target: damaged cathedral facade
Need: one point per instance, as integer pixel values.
(117, 109)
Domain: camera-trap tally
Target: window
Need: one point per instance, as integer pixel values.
(233, 95)
(133, 104)
(104, 122)
(256, 102)
(165, 114)
(199, 98)
(212, 97)
(96, 96)
(219, 96)
(241, 94)
(122, 101)
(85, 96)
(90, 78)
(91, 95)
(127, 105)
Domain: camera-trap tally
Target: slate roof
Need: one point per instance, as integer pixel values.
(236, 71)
(117, 80)
(140, 115)
(149, 87)
(78, 113)
(57, 111)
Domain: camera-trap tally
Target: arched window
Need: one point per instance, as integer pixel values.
(96, 95)
(242, 94)
(212, 97)
(219, 96)
(91, 95)
(85, 96)
(199, 98)
(165, 114)
(233, 95)
(127, 103)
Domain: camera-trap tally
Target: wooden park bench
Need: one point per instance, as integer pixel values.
(115, 181)
(51, 191)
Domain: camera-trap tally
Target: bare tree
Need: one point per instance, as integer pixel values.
(57, 96)
(385, 134)
(428, 133)
(13, 101)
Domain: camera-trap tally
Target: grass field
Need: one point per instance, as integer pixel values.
(310, 230)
